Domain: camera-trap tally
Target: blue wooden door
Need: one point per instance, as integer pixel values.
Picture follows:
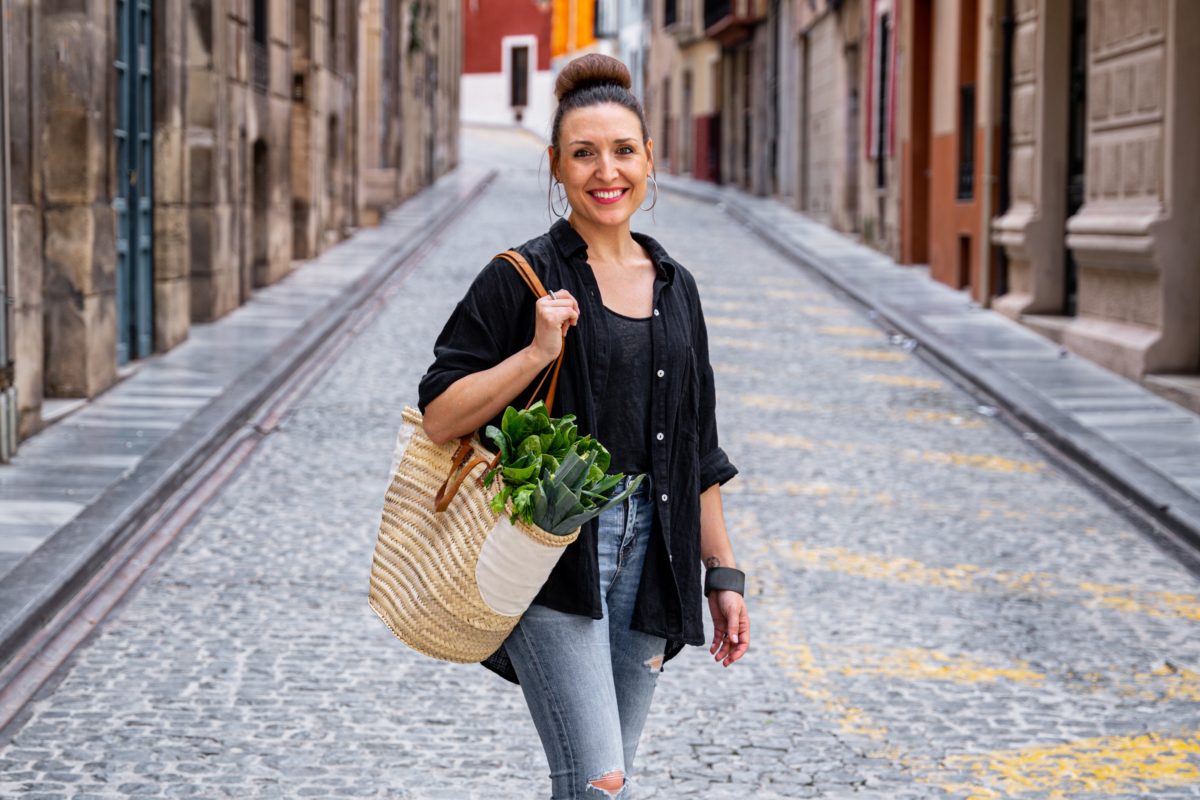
(134, 203)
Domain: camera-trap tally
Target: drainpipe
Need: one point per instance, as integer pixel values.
(989, 180)
(8, 391)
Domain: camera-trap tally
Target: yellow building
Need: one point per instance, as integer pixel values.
(572, 27)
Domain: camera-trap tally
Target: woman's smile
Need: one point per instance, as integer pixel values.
(607, 196)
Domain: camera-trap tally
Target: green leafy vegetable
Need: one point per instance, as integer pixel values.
(553, 477)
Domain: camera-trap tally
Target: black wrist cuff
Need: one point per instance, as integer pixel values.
(724, 579)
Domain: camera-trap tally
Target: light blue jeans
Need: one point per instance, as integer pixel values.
(588, 683)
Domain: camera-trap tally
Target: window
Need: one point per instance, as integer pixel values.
(882, 87)
(519, 76)
(966, 141)
(258, 43)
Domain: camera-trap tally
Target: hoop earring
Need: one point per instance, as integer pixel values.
(654, 202)
(563, 193)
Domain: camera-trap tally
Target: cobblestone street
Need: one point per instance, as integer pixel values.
(938, 610)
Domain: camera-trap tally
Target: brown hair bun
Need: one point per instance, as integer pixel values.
(593, 69)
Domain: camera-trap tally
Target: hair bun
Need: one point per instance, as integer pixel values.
(593, 69)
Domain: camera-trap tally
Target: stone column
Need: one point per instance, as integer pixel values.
(25, 214)
(172, 257)
(1031, 231)
(74, 56)
(1136, 236)
(214, 275)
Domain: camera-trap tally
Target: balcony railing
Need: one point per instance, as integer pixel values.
(732, 21)
(715, 11)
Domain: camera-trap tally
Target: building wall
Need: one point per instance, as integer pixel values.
(572, 27)
(1138, 281)
(263, 151)
(490, 32)
(25, 214)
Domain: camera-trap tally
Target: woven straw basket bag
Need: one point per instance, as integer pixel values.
(450, 577)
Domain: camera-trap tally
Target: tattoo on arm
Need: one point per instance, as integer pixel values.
(712, 561)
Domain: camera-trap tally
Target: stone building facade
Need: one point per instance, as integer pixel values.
(1039, 154)
(1101, 237)
(170, 156)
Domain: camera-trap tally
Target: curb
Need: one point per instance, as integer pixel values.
(1157, 496)
(51, 576)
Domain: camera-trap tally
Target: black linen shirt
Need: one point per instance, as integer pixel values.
(496, 318)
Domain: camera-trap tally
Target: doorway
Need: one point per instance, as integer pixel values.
(916, 192)
(1076, 144)
(134, 203)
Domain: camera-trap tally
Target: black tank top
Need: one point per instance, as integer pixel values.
(624, 411)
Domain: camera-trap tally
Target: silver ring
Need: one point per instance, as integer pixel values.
(552, 297)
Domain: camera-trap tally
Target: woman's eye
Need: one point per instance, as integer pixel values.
(626, 150)
(581, 153)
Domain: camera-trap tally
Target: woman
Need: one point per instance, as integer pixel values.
(626, 595)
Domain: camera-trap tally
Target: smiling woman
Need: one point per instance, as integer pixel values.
(625, 596)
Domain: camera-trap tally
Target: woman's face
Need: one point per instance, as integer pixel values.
(603, 164)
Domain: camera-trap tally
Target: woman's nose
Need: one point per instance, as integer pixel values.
(606, 167)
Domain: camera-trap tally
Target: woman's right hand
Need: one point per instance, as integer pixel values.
(554, 316)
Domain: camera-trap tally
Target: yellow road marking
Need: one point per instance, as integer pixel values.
(903, 380)
(794, 657)
(778, 280)
(791, 294)
(1113, 765)
(744, 344)
(776, 402)
(1130, 598)
(824, 311)
(918, 664)
(982, 461)
(1177, 683)
(722, 368)
(795, 442)
(734, 291)
(976, 579)
(849, 330)
(733, 322)
(779, 402)
(956, 420)
(727, 305)
(861, 354)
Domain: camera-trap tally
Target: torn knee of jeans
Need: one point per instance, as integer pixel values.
(655, 663)
(611, 784)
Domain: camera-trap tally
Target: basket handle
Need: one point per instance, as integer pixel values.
(448, 490)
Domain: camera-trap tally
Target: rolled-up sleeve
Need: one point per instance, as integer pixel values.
(478, 334)
(715, 466)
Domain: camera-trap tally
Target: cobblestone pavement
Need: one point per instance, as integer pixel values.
(938, 611)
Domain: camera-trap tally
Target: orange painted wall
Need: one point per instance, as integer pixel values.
(563, 39)
(951, 218)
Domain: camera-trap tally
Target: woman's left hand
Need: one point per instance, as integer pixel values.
(731, 626)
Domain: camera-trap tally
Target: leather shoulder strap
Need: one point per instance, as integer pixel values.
(535, 285)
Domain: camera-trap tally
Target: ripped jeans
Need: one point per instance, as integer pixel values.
(588, 683)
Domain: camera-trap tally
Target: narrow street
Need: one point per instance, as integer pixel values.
(938, 611)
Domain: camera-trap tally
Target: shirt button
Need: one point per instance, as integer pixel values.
(656, 312)
(660, 437)
(664, 498)
(661, 373)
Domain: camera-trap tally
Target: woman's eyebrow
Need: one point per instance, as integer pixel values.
(615, 141)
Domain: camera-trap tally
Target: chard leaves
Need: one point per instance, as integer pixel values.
(553, 477)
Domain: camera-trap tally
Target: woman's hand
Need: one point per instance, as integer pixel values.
(731, 626)
(554, 316)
